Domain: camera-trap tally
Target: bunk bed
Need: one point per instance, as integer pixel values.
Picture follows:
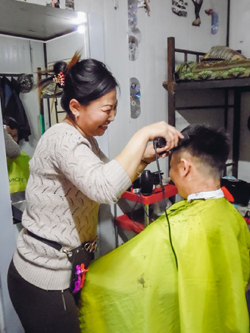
(238, 83)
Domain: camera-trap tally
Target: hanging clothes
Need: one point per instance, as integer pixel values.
(12, 106)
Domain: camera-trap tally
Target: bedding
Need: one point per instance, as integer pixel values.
(212, 70)
(220, 62)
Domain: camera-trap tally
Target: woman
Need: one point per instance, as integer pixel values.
(69, 178)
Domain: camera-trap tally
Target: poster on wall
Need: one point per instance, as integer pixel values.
(179, 7)
(70, 4)
(63, 4)
(214, 20)
(197, 8)
(50, 3)
(53, 3)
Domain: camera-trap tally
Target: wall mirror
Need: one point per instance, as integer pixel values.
(31, 37)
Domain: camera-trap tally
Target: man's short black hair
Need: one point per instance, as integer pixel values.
(210, 145)
(11, 122)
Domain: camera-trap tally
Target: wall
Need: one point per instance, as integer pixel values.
(240, 40)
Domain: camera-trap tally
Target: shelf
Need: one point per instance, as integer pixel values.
(242, 83)
(125, 221)
(157, 195)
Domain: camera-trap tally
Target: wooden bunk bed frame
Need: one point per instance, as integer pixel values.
(42, 98)
(238, 85)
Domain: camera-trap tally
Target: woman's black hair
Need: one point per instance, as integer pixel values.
(85, 81)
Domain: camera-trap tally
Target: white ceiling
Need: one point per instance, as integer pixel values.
(33, 21)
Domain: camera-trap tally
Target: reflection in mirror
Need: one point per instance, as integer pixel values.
(18, 165)
(24, 56)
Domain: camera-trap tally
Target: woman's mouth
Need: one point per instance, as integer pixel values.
(104, 127)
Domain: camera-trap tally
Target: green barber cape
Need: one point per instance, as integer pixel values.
(18, 172)
(137, 287)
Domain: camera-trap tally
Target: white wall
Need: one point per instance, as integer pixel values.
(240, 40)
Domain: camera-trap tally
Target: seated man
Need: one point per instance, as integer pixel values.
(142, 287)
(18, 165)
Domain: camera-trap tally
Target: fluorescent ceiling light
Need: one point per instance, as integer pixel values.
(81, 18)
(81, 28)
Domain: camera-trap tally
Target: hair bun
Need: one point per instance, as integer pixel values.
(60, 66)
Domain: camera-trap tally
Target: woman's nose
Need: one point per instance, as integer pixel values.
(112, 115)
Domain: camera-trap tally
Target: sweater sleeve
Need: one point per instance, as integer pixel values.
(103, 182)
(12, 148)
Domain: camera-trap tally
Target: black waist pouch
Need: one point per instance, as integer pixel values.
(80, 258)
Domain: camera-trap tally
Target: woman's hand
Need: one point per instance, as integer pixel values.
(137, 153)
(168, 132)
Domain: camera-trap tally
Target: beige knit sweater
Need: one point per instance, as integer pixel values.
(69, 178)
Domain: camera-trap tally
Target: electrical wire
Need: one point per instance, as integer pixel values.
(165, 201)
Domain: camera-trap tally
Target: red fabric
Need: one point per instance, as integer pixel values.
(247, 220)
(227, 194)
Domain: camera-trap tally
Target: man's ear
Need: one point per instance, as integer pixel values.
(185, 167)
(74, 106)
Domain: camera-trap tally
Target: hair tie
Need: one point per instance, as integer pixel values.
(60, 79)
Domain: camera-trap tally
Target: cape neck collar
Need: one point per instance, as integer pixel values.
(217, 194)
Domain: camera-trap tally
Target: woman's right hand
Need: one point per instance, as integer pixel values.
(163, 129)
(136, 149)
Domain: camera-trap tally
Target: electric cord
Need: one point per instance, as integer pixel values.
(165, 201)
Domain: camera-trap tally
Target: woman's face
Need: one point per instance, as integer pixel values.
(94, 118)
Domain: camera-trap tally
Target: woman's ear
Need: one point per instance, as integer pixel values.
(74, 106)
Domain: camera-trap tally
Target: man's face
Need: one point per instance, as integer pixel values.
(176, 175)
(13, 133)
